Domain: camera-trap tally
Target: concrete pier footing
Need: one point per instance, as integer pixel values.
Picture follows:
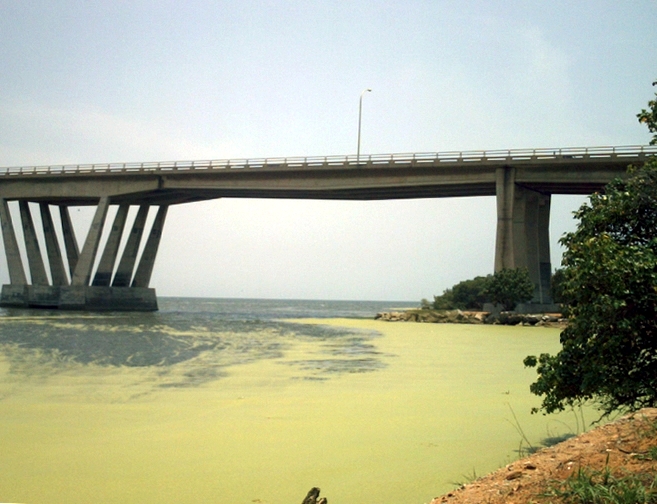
(76, 297)
(81, 293)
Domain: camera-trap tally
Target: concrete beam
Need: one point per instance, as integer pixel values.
(34, 257)
(14, 261)
(57, 270)
(103, 275)
(147, 261)
(70, 242)
(82, 273)
(126, 267)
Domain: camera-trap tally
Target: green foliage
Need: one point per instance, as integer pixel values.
(649, 118)
(556, 286)
(444, 301)
(465, 295)
(602, 487)
(471, 294)
(609, 349)
(509, 287)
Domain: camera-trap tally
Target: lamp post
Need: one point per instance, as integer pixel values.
(360, 114)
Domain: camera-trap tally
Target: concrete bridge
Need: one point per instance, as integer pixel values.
(523, 181)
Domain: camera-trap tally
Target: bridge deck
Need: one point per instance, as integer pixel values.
(390, 176)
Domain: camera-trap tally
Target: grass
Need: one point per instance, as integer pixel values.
(651, 454)
(467, 478)
(602, 487)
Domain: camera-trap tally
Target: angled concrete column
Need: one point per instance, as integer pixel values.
(34, 257)
(82, 273)
(145, 268)
(57, 270)
(123, 274)
(14, 261)
(106, 266)
(71, 244)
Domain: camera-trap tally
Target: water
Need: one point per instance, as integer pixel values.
(256, 401)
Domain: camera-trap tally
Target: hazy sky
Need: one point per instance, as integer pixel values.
(85, 81)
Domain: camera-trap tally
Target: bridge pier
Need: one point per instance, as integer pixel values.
(81, 293)
(523, 238)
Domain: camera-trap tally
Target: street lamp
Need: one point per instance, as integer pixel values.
(360, 114)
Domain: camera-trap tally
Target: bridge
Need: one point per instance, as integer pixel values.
(522, 180)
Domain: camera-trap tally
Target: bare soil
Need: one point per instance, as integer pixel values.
(622, 445)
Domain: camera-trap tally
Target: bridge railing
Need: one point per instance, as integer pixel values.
(351, 160)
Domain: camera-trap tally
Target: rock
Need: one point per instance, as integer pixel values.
(466, 317)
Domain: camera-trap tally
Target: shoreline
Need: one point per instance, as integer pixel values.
(473, 317)
(618, 446)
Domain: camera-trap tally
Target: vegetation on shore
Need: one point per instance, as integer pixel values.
(609, 347)
(507, 288)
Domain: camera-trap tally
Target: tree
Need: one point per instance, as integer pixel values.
(470, 294)
(649, 117)
(509, 287)
(465, 295)
(556, 286)
(609, 348)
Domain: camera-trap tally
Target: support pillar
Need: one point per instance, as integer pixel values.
(523, 238)
(106, 266)
(34, 257)
(70, 243)
(82, 273)
(126, 267)
(57, 270)
(14, 261)
(79, 295)
(504, 186)
(147, 261)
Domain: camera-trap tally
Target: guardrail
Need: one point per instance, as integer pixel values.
(418, 158)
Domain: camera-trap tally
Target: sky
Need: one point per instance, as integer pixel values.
(95, 82)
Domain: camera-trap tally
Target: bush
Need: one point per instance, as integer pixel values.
(470, 294)
(509, 287)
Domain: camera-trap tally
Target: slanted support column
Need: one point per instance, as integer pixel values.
(34, 257)
(103, 275)
(82, 273)
(523, 238)
(126, 267)
(14, 261)
(145, 268)
(57, 270)
(71, 244)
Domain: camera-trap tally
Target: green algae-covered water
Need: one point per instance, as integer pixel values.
(221, 401)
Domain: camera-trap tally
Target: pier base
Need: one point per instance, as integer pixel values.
(89, 298)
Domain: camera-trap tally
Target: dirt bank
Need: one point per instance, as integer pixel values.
(623, 445)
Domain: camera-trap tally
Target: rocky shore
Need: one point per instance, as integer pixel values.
(472, 317)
